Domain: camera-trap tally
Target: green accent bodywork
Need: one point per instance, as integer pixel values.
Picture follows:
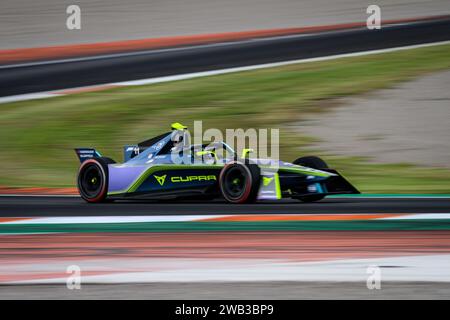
(156, 168)
(277, 186)
(163, 167)
(306, 171)
(178, 126)
(246, 152)
(267, 181)
(207, 152)
(161, 179)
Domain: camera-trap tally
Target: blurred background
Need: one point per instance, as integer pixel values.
(25, 23)
(382, 120)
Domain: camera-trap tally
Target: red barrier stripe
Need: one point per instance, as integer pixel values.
(77, 50)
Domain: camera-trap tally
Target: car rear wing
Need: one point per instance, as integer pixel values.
(87, 153)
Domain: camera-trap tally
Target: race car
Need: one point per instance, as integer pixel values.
(169, 167)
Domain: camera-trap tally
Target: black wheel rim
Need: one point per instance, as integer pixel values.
(234, 182)
(91, 181)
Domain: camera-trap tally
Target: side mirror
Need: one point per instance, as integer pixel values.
(246, 152)
(205, 152)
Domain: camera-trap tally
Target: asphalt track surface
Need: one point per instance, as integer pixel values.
(23, 206)
(35, 206)
(404, 290)
(57, 75)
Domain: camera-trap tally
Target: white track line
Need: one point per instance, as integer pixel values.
(192, 218)
(113, 219)
(420, 216)
(271, 65)
(434, 268)
(28, 96)
(194, 75)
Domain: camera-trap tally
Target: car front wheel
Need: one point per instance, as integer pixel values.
(239, 183)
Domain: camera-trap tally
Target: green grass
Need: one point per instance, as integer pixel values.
(37, 137)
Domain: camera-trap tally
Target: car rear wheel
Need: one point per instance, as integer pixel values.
(239, 183)
(93, 179)
(315, 163)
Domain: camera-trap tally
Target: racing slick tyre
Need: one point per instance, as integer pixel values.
(315, 163)
(239, 182)
(93, 179)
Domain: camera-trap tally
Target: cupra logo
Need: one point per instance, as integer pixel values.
(267, 181)
(161, 179)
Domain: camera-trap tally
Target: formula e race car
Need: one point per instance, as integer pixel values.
(168, 166)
